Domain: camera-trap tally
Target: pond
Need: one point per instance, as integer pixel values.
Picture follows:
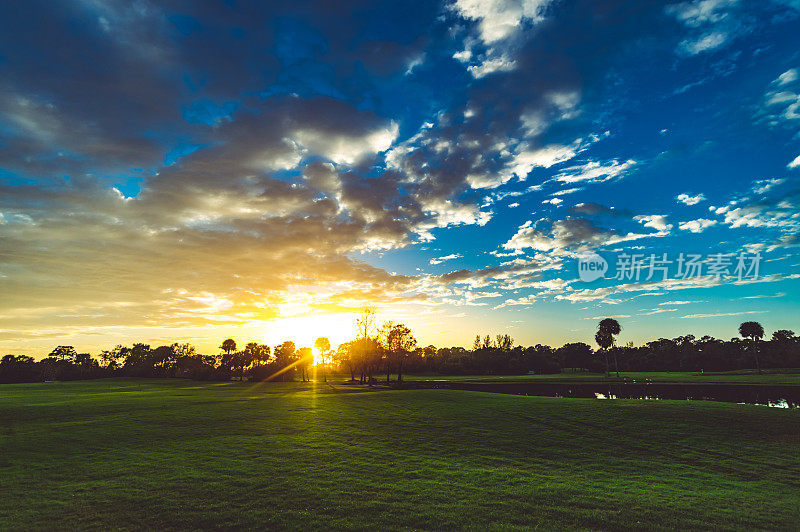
(778, 396)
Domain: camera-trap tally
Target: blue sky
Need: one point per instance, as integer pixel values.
(194, 171)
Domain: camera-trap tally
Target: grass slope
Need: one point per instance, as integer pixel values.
(154, 454)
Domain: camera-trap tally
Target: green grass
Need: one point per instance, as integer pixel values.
(785, 376)
(177, 454)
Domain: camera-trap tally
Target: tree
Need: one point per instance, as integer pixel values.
(112, 358)
(575, 355)
(754, 332)
(306, 357)
(607, 329)
(323, 346)
(345, 357)
(487, 342)
(783, 336)
(285, 359)
(258, 354)
(399, 342)
(228, 346)
(64, 353)
(383, 343)
(476, 344)
(366, 348)
(504, 342)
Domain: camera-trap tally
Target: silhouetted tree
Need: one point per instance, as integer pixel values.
(64, 353)
(575, 355)
(607, 329)
(504, 342)
(783, 335)
(345, 357)
(323, 346)
(305, 358)
(399, 343)
(755, 332)
(366, 350)
(487, 342)
(284, 363)
(228, 346)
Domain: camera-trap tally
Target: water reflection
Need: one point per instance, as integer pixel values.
(775, 396)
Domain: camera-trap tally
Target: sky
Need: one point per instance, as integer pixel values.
(190, 171)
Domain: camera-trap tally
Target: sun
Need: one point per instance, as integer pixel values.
(304, 330)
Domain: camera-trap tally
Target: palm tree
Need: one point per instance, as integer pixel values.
(324, 346)
(755, 332)
(607, 329)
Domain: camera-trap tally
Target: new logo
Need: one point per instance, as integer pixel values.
(591, 267)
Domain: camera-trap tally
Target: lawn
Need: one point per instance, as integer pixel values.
(178, 454)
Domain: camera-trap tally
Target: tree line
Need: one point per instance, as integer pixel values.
(381, 352)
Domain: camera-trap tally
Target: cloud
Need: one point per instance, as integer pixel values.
(659, 311)
(710, 24)
(762, 208)
(788, 77)
(605, 293)
(795, 163)
(491, 66)
(440, 260)
(577, 234)
(696, 226)
(781, 105)
(591, 209)
(499, 19)
(544, 289)
(721, 314)
(705, 43)
(655, 221)
(595, 172)
(686, 199)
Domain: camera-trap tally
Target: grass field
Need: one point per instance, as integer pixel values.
(784, 376)
(177, 454)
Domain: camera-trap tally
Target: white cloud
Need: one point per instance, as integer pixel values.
(690, 200)
(790, 76)
(698, 14)
(721, 314)
(762, 186)
(595, 171)
(464, 56)
(490, 66)
(440, 260)
(660, 311)
(782, 102)
(527, 159)
(654, 221)
(577, 234)
(795, 163)
(696, 226)
(705, 43)
(499, 19)
(711, 24)
(347, 150)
